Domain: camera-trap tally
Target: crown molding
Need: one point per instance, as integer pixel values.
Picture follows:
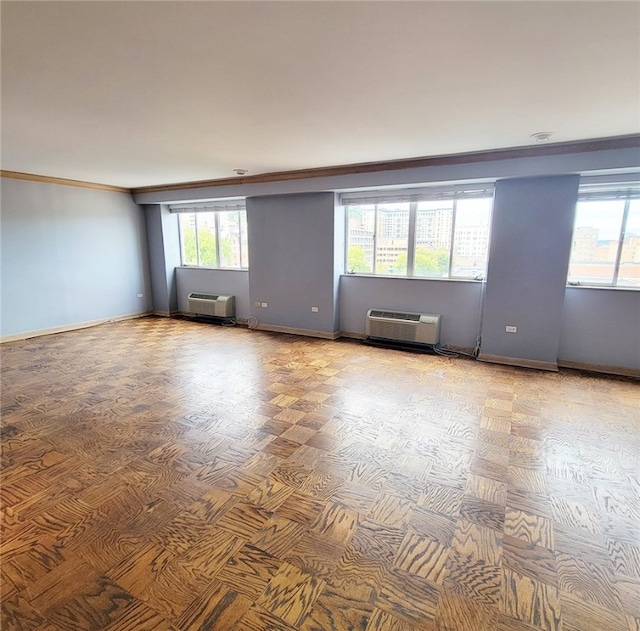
(511, 153)
(31, 177)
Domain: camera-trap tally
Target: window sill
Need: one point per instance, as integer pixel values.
(215, 269)
(421, 278)
(605, 287)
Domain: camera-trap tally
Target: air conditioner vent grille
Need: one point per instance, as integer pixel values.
(203, 296)
(393, 331)
(395, 315)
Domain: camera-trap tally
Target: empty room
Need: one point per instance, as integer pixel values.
(320, 316)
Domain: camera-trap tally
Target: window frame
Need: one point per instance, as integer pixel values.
(215, 209)
(601, 190)
(453, 193)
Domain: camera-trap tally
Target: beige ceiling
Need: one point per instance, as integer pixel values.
(143, 93)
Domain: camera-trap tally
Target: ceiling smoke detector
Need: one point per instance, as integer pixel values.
(241, 171)
(542, 136)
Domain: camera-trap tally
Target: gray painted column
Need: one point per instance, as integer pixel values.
(164, 256)
(292, 264)
(531, 234)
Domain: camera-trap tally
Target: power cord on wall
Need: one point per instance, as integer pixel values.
(476, 349)
(447, 352)
(443, 351)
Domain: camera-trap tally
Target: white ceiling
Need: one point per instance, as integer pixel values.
(144, 93)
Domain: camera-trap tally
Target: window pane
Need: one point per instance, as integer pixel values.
(434, 221)
(596, 235)
(244, 243)
(471, 238)
(392, 239)
(361, 229)
(629, 273)
(188, 238)
(229, 227)
(207, 239)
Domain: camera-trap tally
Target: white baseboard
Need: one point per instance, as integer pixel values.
(70, 327)
(621, 371)
(519, 361)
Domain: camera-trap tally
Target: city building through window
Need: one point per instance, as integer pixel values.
(606, 237)
(424, 233)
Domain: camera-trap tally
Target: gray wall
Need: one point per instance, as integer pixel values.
(296, 247)
(601, 327)
(457, 301)
(292, 260)
(531, 230)
(226, 282)
(532, 226)
(164, 256)
(69, 256)
(85, 252)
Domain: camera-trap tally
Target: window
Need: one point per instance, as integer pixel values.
(606, 237)
(213, 235)
(425, 233)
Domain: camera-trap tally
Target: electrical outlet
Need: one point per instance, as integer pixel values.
(314, 309)
(264, 304)
(511, 329)
(257, 303)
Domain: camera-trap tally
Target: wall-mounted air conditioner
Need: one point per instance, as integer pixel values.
(401, 326)
(212, 305)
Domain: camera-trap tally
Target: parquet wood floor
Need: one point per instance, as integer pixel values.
(167, 475)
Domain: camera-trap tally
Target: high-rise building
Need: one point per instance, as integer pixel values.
(471, 241)
(433, 227)
(585, 242)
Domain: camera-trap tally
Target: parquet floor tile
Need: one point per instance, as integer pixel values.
(291, 594)
(408, 597)
(168, 475)
(530, 600)
(529, 559)
(218, 608)
(457, 612)
(422, 557)
(334, 611)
